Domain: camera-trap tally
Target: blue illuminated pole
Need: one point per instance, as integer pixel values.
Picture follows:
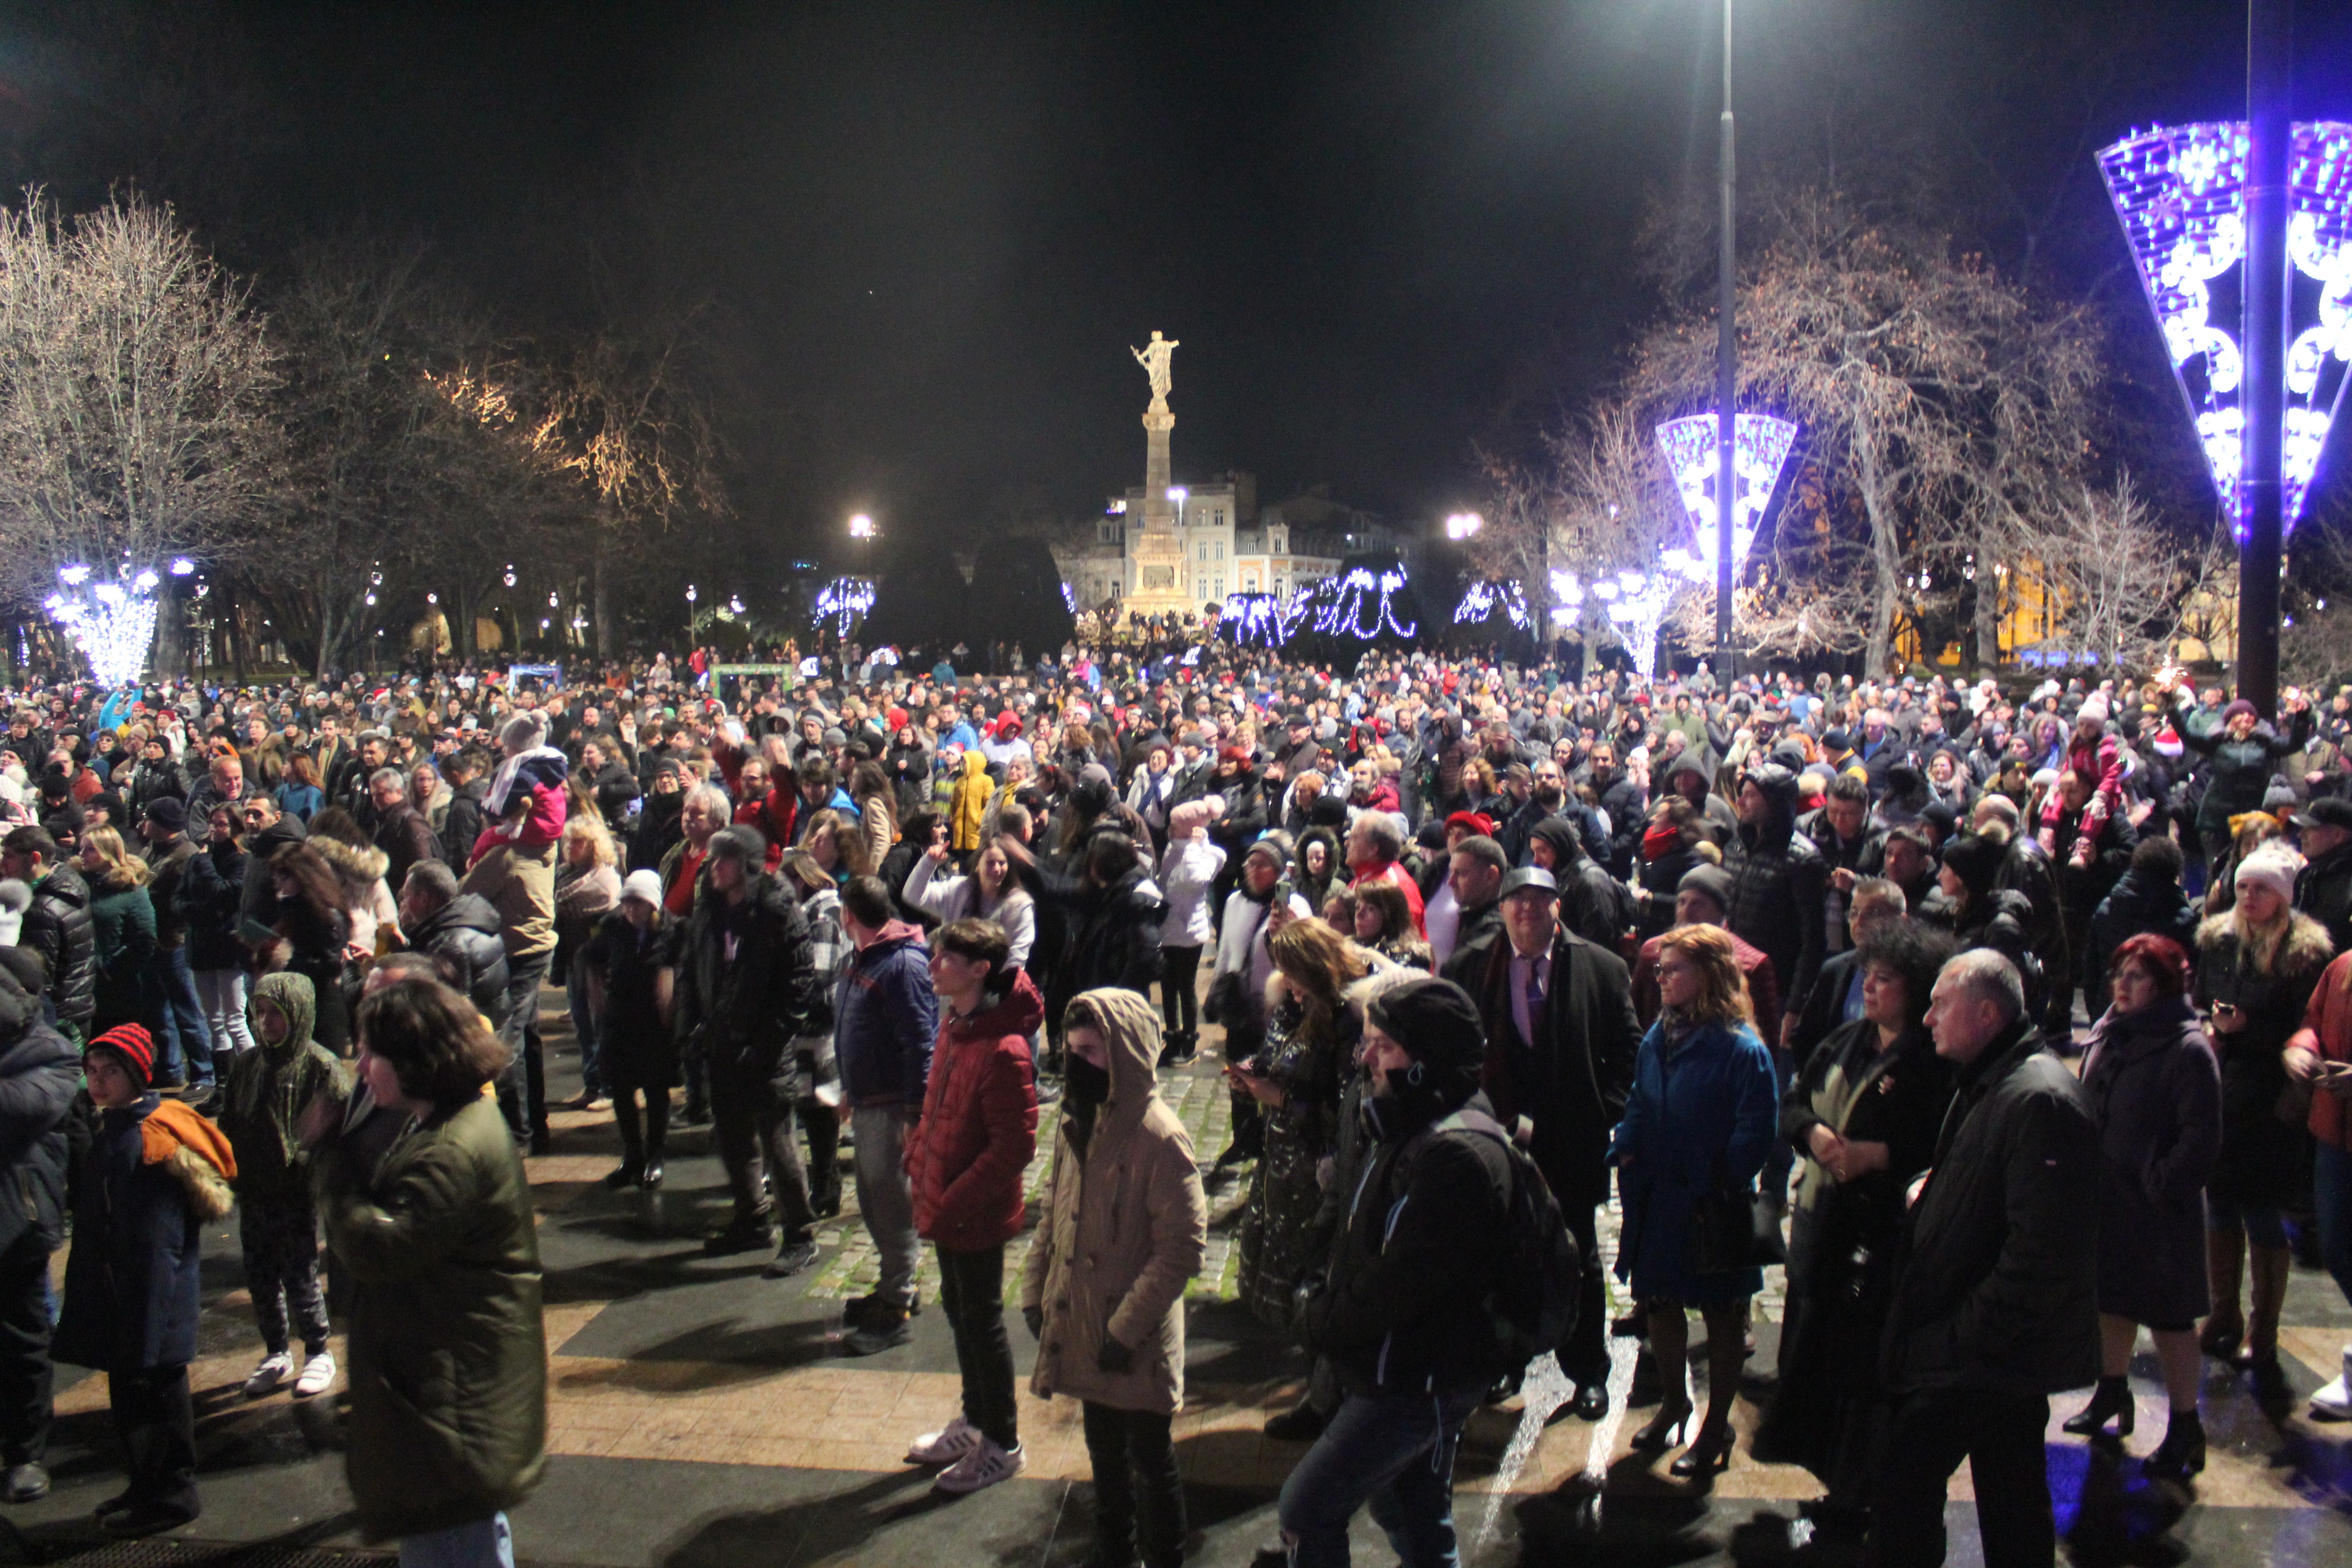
(2270, 53)
(1727, 379)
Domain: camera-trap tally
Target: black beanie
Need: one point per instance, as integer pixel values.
(1976, 860)
(1437, 1025)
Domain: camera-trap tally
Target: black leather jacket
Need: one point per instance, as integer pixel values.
(58, 926)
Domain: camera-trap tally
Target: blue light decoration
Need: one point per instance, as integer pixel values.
(1339, 605)
(1069, 598)
(1483, 599)
(1252, 620)
(1760, 443)
(842, 601)
(2180, 193)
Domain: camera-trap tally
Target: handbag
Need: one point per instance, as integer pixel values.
(1222, 1004)
(1732, 1230)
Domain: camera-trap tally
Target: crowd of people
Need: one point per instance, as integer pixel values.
(2007, 1020)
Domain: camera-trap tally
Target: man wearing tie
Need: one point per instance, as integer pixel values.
(1561, 1043)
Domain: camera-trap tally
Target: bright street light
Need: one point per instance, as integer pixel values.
(861, 526)
(1464, 525)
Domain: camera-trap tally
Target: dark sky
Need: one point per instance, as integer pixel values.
(1380, 229)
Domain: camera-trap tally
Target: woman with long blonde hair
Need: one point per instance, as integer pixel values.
(1703, 1116)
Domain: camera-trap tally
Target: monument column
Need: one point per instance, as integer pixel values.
(1154, 549)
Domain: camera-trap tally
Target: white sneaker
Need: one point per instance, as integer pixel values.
(984, 1467)
(2336, 1399)
(273, 1371)
(317, 1372)
(945, 1447)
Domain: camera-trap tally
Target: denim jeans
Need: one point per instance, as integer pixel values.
(184, 1043)
(1394, 1451)
(522, 1089)
(971, 1294)
(2332, 1204)
(485, 1543)
(584, 1030)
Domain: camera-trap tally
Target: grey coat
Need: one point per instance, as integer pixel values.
(2156, 1093)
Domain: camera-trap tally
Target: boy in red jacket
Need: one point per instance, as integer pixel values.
(965, 1161)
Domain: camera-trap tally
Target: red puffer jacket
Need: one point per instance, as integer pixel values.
(967, 1156)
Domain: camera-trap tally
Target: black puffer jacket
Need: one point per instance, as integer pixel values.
(1403, 1305)
(1116, 941)
(212, 884)
(466, 932)
(58, 926)
(744, 1015)
(1998, 1280)
(464, 825)
(1779, 882)
(38, 1076)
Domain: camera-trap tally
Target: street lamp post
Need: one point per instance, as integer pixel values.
(1727, 373)
(2270, 56)
(690, 617)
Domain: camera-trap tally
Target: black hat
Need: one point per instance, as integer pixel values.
(1528, 877)
(1836, 740)
(1976, 860)
(1437, 1025)
(1942, 815)
(168, 813)
(742, 842)
(1712, 881)
(2327, 811)
(27, 967)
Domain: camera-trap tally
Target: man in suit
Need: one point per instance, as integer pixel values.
(1561, 1041)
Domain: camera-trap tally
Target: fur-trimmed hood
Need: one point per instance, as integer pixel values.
(356, 865)
(2305, 950)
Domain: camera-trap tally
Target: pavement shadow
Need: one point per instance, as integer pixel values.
(727, 1353)
(1632, 1519)
(836, 1524)
(2110, 1513)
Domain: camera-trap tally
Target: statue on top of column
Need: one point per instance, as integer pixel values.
(1154, 357)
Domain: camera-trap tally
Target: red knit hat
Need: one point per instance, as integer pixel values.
(133, 1044)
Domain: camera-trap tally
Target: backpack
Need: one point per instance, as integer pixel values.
(1532, 1307)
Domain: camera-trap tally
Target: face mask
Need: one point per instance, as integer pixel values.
(1084, 1082)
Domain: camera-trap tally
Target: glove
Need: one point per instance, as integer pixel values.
(1035, 1318)
(1114, 1357)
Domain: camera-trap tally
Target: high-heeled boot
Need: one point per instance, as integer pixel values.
(2225, 1264)
(2182, 1452)
(2111, 1400)
(2270, 1268)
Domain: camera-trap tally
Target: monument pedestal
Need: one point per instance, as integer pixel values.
(1157, 584)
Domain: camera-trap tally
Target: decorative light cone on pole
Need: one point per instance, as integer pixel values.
(844, 601)
(1635, 601)
(111, 619)
(2180, 193)
(1761, 448)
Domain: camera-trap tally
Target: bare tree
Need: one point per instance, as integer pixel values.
(1946, 410)
(135, 381)
(2117, 578)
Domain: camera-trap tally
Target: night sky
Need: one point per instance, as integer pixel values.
(1382, 231)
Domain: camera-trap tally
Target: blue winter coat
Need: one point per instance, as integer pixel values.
(885, 1018)
(1705, 1118)
(133, 1279)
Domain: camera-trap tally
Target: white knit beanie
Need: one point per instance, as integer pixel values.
(2275, 867)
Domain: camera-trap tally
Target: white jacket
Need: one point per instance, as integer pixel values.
(1186, 873)
(957, 898)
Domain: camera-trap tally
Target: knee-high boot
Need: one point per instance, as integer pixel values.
(2225, 1262)
(2270, 1271)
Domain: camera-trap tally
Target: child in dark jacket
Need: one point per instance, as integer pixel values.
(276, 1225)
(156, 1174)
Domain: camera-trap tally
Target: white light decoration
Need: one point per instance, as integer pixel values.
(1069, 598)
(841, 601)
(113, 626)
(1760, 447)
(1639, 608)
(1340, 605)
(2180, 193)
(1480, 604)
(1252, 619)
(182, 566)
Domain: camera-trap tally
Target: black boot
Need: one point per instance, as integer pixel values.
(2112, 1399)
(2182, 1452)
(656, 1139)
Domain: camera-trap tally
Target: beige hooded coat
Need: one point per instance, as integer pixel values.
(1124, 1229)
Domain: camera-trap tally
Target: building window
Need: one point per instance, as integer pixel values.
(1220, 550)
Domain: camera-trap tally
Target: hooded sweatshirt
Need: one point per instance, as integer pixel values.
(267, 1092)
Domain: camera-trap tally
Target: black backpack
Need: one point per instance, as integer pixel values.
(1532, 1306)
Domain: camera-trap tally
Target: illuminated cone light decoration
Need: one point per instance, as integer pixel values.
(842, 601)
(2180, 193)
(1760, 447)
(113, 621)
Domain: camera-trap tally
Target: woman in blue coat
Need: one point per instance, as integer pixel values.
(1701, 1119)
